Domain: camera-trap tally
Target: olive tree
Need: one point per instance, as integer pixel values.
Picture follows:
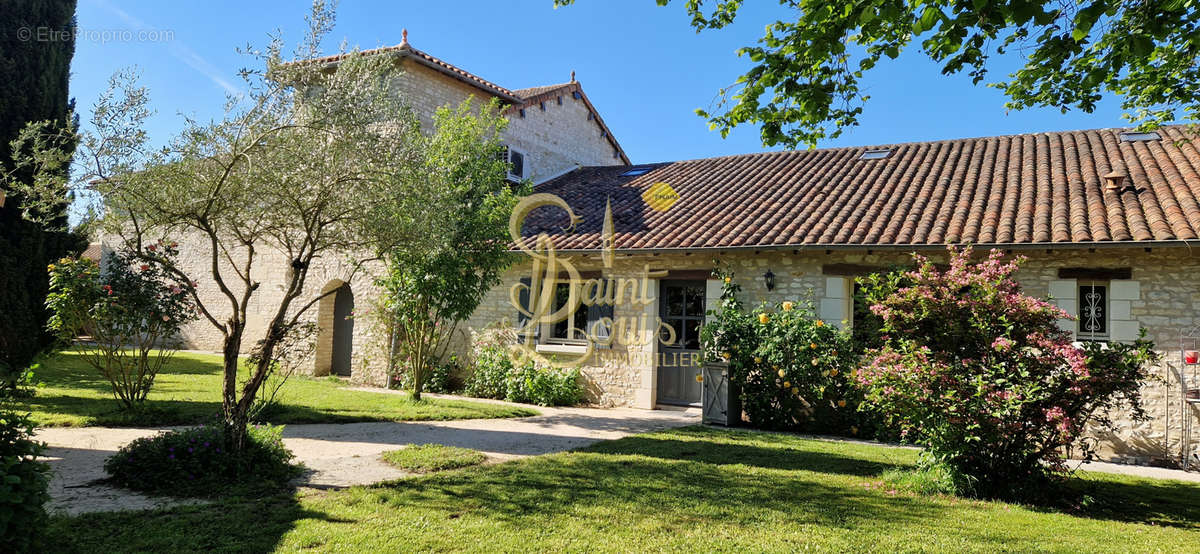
(318, 163)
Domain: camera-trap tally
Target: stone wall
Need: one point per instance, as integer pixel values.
(554, 140)
(1162, 295)
(557, 135)
(271, 270)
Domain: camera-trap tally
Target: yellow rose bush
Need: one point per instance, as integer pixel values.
(789, 368)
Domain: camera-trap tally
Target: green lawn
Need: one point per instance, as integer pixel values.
(425, 458)
(187, 391)
(693, 489)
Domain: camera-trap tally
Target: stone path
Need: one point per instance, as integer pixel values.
(1141, 471)
(340, 455)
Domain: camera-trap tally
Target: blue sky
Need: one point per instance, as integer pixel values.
(642, 65)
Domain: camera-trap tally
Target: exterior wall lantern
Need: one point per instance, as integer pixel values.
(769, 280)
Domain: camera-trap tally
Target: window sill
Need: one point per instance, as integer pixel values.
(561, 348)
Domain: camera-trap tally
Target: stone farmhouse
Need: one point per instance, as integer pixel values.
(1107, 219)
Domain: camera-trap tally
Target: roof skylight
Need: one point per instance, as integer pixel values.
(1139, 136)
(876, 154)
(636, 171)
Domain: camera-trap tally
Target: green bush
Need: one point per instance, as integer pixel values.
(133, 311)
(23, 484)
(433, 457)
(983, 377)
(496, 376)
(544, 386)
(791, 368)
(197, 462)
(489, 379)
(443, 378)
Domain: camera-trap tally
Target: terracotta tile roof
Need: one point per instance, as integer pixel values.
(94, 252)
(1034, 189)
(517, 99)
(405, 50)
(530, 92)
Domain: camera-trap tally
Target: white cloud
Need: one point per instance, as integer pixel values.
(178, 50)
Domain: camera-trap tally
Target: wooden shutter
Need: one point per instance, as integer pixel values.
(523, 300)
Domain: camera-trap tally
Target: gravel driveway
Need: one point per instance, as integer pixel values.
(340, 455)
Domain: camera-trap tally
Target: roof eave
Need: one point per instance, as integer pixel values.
(572, 87)
(503, 95)
(894, 247)
(407, 52)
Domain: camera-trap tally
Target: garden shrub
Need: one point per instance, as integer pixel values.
(492, 364)
(197, 462)
(133, 312)
(442, 378)
(984, 378)
(24, 482)
(791, 368)
(530, 383)
(496, 376)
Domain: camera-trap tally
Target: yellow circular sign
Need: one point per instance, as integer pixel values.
(660, 196)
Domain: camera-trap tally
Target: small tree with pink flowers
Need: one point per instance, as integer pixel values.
(983, 377)
(133, 313)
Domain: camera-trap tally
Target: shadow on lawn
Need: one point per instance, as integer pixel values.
(167, 413)
(651, 481)
(673, 493)
(239, 525)
(726, 447)
(71, 369)
(1161, 502)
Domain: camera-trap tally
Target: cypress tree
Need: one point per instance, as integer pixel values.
(34, 72)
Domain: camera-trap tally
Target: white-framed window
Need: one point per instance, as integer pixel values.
(516, 163)
(1093, 323)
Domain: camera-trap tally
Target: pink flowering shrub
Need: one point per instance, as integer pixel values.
(983, 377)
(791, 369)
(132, 311)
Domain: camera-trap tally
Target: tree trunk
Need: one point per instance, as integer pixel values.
(418, 385)
(235, 430)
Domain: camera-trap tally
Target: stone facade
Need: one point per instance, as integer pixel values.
(271, 271)
(558, 130)
(1162, 295)
(556, 134)
(559, 133)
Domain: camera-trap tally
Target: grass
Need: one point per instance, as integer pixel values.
(694, 489)
(424, 458)
(187, 391)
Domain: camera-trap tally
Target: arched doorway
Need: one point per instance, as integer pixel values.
(335, 329)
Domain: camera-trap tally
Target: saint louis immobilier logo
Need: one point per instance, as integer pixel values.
(632, 294)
